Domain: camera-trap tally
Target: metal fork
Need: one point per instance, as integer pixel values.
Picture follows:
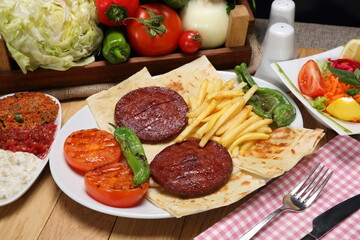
(301, 197)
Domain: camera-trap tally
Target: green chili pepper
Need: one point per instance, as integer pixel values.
(266, 102)
(134, 153)
(115, 48)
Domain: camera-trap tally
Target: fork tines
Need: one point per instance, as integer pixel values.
(310, 187)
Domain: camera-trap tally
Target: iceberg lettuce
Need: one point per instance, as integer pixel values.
(52, 34)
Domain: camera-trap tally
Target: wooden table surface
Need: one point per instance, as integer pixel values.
(45, 212)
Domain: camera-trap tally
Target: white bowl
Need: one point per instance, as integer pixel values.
(288, 73)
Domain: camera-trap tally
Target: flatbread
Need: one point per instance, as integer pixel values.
(282, 151)
(102, 104)
(186, 80)
(239, 185)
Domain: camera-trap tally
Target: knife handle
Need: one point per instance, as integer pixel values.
(308, 237)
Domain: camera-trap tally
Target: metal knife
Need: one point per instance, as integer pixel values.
(329, 219)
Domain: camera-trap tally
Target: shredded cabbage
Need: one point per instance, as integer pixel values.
(52, 34)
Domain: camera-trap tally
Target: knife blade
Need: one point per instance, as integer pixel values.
(329, 219)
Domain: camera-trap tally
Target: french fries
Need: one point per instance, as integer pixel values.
(219, 113)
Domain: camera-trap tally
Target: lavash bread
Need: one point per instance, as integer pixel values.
(239, 185)
(249, 173)
(102, 104)
(282, 151)
(185, 80)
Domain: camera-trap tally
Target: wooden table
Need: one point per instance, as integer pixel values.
(45, 212)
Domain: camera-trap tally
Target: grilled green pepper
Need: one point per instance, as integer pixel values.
(266, 102)
(115, 48)
(134, 153)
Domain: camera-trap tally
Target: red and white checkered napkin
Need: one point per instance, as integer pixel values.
(342, 156)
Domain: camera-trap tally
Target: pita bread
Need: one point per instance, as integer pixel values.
(186, 80)
(282, 151)
(239, 185)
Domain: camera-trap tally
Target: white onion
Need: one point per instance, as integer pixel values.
(209, 18)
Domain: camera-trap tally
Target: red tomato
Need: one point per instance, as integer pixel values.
(87, 149)
(310, 80)
(113, 12)
(190, 41)
(112, 185)
(160, 44)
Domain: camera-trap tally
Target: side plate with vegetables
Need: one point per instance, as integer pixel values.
(288, 72)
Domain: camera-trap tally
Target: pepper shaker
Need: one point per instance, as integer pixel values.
(279, 47)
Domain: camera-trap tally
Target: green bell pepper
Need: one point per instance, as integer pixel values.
(266, 102)
(175, 4)
(115, 48)
(134, 153)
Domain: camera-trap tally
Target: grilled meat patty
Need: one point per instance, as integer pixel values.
(153, 113)
(187, 170)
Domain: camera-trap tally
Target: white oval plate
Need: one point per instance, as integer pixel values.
(72, 184)
(288, 72)
(9, 200)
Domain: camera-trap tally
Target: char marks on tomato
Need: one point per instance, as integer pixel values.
(87, 149)
(153, 113)
(188, 170)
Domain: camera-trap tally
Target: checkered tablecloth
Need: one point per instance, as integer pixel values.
(342, 156)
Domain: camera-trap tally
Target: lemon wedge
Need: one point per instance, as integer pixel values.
(351, 50)
(345, 108)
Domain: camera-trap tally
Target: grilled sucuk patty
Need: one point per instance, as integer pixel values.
(153, 113)
(187, 170)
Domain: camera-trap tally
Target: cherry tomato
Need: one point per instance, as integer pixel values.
(87, 149)
(310, 80)
(158, 44)
(190, 41)
(112, 185)
(113, 12)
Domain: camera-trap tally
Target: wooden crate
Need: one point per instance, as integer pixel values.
(13, 80)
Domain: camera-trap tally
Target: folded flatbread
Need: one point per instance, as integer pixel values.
(282, 151)
(239, 185)
(287, 143)
(185, 80)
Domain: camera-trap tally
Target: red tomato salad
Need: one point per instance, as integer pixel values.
(333, 87)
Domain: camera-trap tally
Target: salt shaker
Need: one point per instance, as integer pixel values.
(281, 11)
(279, 47)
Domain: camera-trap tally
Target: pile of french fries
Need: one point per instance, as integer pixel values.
(219, 113)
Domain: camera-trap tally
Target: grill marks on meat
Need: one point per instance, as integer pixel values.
(187, 170)
(153, 113)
